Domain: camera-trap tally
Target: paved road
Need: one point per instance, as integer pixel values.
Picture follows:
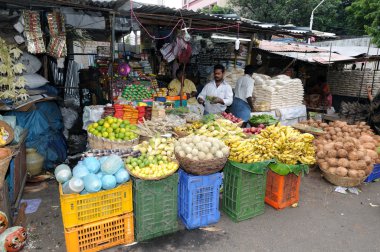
(323, 221)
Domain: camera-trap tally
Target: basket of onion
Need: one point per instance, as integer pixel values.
(201, 155)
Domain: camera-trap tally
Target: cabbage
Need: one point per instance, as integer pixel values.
(122, 176)
(80, 171)
(92, 183)
(62, 173)
(83, 192)
(112, 165)
(92, 164)
(100, 175)
(108, 182)
(102, 159)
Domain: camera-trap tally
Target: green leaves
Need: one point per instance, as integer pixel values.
(18, 68)
(15, 52)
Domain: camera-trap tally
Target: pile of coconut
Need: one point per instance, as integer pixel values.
(346, 150)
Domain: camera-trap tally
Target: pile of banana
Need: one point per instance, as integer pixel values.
(189, 128)
(222, 129)
(282, 143)
(3, 136)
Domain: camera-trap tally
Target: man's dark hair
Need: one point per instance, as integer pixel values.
(220, 67)
(249, 69)
(179, 71)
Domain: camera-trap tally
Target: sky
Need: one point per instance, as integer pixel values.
(169, 3)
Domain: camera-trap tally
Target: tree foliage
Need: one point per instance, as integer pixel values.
(217, 10)
(366, 14)
(330, 16)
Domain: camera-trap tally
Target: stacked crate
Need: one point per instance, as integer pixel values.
(97, 221)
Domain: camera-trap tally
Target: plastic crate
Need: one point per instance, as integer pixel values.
(100, 235)
(243, 193)
(155, 207)
(82, 209)
(375, 174)
(198, 199)
(282, 191)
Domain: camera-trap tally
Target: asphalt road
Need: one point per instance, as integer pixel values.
(323, 221)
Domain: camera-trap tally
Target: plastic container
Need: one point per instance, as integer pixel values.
(82, 209)
(282, 191)
(155, 207)
(160, 99)
(34, 161)
(243, 193)
(198, 199)
(73, 186)
(100, 235)
(375, 174)
(177, 100)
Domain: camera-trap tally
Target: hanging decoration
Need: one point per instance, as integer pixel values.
(33, 32)
(57, 47)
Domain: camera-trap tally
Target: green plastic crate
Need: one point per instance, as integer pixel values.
(155, 207)
(244, 192)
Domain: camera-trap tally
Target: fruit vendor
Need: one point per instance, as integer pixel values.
(188, 88)
(242, 105)
(374, 116)
(217, 94)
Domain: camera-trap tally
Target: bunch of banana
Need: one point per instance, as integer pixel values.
(221, 129)
(249, 150)
(290, 146)
(189, 127)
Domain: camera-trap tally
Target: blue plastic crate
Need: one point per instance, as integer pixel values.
(198, 199)
(375, 174)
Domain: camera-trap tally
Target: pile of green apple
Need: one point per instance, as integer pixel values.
(113, 129)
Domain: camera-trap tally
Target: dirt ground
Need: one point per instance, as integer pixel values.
(323, 221)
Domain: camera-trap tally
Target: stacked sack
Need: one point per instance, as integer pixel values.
(280, 91)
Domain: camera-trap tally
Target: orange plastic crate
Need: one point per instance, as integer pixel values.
(282, 191)
(100, 235)
(82, 209)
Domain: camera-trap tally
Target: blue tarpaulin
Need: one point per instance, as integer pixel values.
(45, 126)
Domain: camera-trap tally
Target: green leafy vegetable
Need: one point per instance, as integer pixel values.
(263, 119)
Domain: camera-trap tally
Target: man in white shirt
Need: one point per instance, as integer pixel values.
(242, 105)
(216, 95)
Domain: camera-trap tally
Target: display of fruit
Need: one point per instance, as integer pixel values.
(221, 129)
(113, 129)
(136, 92)
(231, 117)
(346, 150)
(201, 148)
(254, 130)
(282, 143)
(189, 128)
(156, 161)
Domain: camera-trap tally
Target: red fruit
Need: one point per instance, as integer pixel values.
(253, 129)
(261, 126)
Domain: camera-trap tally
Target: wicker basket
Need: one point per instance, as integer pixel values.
(8, 129)
(4, 164)
(157, 178)
(205, 167)
(100, 143)
(342, 181)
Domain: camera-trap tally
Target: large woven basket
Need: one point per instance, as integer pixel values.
(4, 164)
(9, 130)
(100, 143)
(342, 181)
(203, 167)
(156, 178)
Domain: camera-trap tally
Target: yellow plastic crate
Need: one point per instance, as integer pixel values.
(100, 235)
(82, 209)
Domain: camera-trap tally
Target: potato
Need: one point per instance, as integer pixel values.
(348, 146)
(334, 137)
(320, 154)
(341, 171)
(324, 166)
(360, 174)
(352, 173)
(368, 169)
(368, 160)
(331, 170)
(342, 153)
(343, 162)
(362, 165)
(353, 156)
(353, 165)
(332, 153)
(369, 146)
(332, 162)
(366, 139)
(372, 154)
(360, 154)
